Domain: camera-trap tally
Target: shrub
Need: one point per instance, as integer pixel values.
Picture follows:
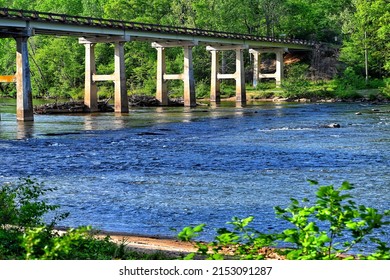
(385, 90)
(348, 83)
(25, 235)
(22, 207)
(227, 89)
(75, 244)
(265, 85)
(296, 82)
(202, 89)
(326, 230)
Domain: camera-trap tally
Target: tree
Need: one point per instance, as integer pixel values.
(367, 29)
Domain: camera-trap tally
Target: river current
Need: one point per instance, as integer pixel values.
(157, 170)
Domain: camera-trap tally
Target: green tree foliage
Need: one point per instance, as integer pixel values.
(57, 63)
(367, 28)
(318, 20)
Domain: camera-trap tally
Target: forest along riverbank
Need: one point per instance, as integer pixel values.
(157, 170)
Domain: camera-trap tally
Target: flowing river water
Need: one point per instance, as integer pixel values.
(157, 170)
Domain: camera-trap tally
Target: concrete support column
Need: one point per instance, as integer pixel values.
(215, 93)
(240, 77)
(118, 77)
(278, 75)
(121, 99)
(90, 95)
(161, 90)
(24, 106)
(279, 67)
(188, 78)
(256, 67)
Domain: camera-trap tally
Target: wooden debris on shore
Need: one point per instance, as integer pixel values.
(70, 107)
(143, 101)
(151, 101)
(103, 106)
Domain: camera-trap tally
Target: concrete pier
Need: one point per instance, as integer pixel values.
(257, 75)
(161, 88)
(239, 75)
(121, 99)
(215, 89)
(118, 77)
(187, 76)
(90, 88)
(22, 77)
(24, 105)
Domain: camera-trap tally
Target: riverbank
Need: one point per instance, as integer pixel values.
(70, 106)
(149, 101)
(166, 246)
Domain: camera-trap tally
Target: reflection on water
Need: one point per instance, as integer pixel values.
(24, 130)
(160, 168)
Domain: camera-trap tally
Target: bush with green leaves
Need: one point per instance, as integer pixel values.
(296, 83)
(76, 244)
(22, 206)
(326, 230)
(24, 234)
(385, 90)
(202, 89)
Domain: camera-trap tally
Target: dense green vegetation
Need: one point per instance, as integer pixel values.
(356, 26)
(328, 229)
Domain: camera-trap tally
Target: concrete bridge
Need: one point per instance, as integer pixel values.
(21, 25)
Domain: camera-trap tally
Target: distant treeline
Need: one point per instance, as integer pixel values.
(57, 64)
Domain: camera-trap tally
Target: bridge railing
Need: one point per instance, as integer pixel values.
(118, 24)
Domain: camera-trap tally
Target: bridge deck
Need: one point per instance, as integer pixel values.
(14, 21)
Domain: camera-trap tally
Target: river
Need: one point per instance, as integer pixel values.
(157, 170)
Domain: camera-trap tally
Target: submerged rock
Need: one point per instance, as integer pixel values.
(333, 125)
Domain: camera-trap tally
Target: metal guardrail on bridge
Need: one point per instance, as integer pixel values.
(129, 25)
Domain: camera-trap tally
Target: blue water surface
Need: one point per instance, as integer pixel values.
(155, 170)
